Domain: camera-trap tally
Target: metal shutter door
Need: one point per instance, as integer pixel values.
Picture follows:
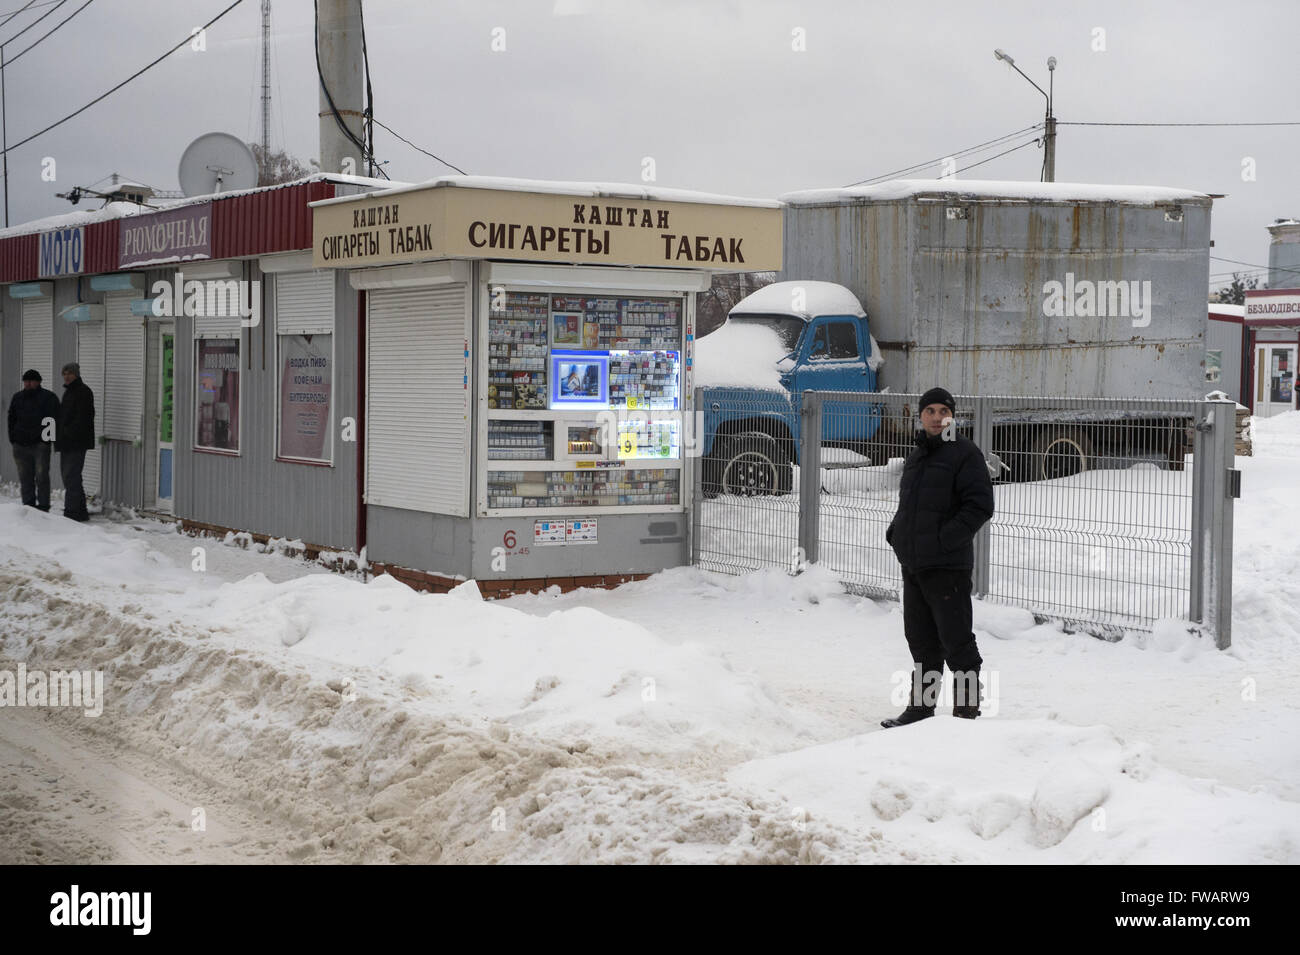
(123, 394)
(38, 341)
(220, 296)
(90, 356)
(304, 303)
(417, 418)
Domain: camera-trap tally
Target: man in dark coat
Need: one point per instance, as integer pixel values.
(33, 422)
(76, 437)
(945, 496)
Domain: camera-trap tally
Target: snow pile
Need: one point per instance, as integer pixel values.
(1011, 791)
(576, 673)
(739, 355)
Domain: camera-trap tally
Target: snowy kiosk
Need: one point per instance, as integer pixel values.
(528, 371)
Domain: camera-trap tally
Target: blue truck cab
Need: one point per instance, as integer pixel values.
(783, 340)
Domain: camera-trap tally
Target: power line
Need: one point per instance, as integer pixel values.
(1265, 268)
(53, 30)
(103, 96)
(991, 158)
(1178, 124)
(425, 151)
(27, 6)
(52, 9)
(960, 152)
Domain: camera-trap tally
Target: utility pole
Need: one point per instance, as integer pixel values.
(266, 87)
(338, 48)
(4, 131)
(1049, 134)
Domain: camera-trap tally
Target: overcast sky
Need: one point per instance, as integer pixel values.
(711, 89)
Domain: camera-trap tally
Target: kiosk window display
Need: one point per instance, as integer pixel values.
(584, 400)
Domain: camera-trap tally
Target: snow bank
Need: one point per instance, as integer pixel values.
(1015, 791)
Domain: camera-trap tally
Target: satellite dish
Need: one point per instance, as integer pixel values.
(217, 162)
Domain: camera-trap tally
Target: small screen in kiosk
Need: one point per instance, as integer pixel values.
(579, 378)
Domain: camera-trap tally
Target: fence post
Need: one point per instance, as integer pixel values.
(1217, 485)
(694, 458)
(982, 434)
(1202, 461)
(1227, 487)
(810, 474)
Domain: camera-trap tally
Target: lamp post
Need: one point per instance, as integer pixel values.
(1049, 130)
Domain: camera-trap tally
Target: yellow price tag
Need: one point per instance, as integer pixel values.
(631, 401)
(627, 444)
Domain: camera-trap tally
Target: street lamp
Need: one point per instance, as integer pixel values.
(1049, 134)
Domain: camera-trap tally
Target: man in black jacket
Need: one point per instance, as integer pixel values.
(33, 420)
(945, 496)
(76, 437)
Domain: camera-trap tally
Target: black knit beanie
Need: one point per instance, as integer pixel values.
(937, 396)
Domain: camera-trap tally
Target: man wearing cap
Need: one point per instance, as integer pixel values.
(76, 436)
(33, 421)
(944, 497)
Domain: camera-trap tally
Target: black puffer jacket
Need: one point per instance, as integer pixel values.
(77, 422)
(945, 497)
(27, 410)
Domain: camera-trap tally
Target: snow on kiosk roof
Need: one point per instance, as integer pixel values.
(992, 189)
(591, 223)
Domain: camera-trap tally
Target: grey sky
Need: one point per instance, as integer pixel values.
(712, 90)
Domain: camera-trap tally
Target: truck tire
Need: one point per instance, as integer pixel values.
(750, 465)
(1059, 452)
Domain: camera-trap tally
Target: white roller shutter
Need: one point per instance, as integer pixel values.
(38, 341)
(221, 318)
(123, 392)
(90, 356)
(304, 303)
(417, 412)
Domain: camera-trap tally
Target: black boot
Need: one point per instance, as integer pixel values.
(913, 714)
(966, 694)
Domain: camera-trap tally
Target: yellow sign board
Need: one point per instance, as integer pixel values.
(450, 221)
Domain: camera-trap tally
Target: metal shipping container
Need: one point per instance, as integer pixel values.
(1018, 288)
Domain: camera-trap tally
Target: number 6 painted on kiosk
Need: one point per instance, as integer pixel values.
(509, 539)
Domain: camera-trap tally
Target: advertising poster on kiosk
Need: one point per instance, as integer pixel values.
(306, 383)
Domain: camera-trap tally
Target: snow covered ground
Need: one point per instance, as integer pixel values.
(307, 716)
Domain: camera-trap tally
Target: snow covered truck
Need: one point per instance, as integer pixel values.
(987, 288)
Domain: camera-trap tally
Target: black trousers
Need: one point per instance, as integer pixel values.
(937, 623)
(74, 495)
(33, 463)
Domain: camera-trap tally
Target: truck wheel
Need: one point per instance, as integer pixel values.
(753, 464)
(1058, 453)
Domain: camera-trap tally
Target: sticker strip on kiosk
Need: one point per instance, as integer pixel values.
(579, 379)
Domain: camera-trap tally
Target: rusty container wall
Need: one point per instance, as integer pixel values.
(957, 290)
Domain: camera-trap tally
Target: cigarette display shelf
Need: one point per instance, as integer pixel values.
(584, 488)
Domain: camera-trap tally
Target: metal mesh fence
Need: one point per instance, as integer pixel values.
(746, 508)
(1095, 518)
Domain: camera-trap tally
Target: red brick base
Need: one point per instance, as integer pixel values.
(493, 589)
(310, 551)
(435, 583)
